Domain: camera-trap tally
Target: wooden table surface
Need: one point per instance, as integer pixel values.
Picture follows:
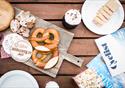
(82, 46)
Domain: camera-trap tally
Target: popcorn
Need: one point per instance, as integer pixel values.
(88, 79)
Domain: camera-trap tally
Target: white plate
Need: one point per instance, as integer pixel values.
(18, 79)
(89, 11)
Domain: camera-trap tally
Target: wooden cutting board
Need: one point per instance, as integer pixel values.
(65, 40)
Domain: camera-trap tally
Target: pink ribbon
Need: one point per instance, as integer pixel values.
(3, 54)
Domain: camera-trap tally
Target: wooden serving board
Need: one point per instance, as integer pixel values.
(65, 40)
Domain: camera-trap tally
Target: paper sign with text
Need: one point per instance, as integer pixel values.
(112, 48)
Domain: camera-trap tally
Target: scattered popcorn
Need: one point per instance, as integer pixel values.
(88, 79)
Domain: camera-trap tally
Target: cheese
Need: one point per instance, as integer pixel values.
(112, 5)
(102, 17)
(106, 9)
(105, 12)
(98, 21)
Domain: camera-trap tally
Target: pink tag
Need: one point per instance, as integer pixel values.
(1, 38)
(4, 55)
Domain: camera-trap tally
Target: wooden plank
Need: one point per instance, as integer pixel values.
(63, 81)
(54, 1)
(80, 31)
(79, 47)
(50, 11)
(66, 68)
(83, 47)
(9, 64)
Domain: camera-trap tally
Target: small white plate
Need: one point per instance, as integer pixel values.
(18, 79)
(89, 10)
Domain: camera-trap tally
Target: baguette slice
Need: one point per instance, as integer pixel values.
(105, 15)
(98, 21)
(106, 9)
(102, 17)
(105, 12)
(112, 5)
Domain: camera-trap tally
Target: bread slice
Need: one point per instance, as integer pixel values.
(98, 21)
(105, 15)
(112, 5)
(102, 17)
(105, 12)
(6, 14)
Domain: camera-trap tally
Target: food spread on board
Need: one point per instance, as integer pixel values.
(45, 53)
(24, 41)
(45, 42)
(49, 43)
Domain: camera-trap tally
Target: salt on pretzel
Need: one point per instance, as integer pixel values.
(45, 41)
(49, 37)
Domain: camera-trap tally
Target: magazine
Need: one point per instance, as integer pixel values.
(112, 49)
(101, 69)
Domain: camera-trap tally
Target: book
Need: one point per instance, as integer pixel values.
(101, 69)
(112, 48)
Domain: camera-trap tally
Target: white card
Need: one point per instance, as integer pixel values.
(112, 48)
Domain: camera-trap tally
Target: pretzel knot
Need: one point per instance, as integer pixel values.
(45, 43)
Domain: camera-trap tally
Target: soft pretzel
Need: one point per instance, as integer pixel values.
(49, 37)
(44, 42)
